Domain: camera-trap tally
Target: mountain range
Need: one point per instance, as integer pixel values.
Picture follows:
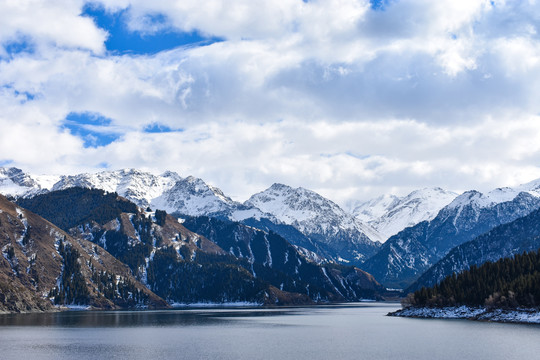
(182, 265)
(406, 255)
(321, 225)
(504, 241)
(396, 239)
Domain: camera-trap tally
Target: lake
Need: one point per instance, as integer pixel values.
(350, 331)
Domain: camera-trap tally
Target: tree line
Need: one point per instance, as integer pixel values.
(507, 283)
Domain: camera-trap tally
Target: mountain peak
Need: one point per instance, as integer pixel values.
(192, 196)
(171, 174)
(15, 182)
(309, 212)
(17, 176)
(280, 186)
(389, 214)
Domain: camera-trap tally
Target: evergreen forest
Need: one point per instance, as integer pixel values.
(507, 283)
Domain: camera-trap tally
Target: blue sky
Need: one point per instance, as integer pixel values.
(351, 98)
(122, 40)
(93, 128)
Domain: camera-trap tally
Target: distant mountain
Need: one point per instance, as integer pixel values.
(339, 235)
(41, 265)
(405, 256)
(168, 191)
(15, 183)
(516, 237)
(307, 220)
(135, 185)
(389, 214)
(192, 196)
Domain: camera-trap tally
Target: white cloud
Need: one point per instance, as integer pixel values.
(49, 23)
(328, 95)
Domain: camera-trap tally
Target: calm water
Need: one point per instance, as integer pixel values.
(357, 331)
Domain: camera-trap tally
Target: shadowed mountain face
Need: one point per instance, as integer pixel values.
(324, 227)
(42, 265)
(329, 230)
(290, 270)
(516, 237)
(185, 266)
(179, 265)
(405, 256)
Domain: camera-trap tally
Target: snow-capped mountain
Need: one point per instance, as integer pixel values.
(168, 191)
(389, 214)
(135, 185)
(406, 255)
(192, 196)
(320, 219)
(221, 261)
(498, 195)
(309, 220)
(15, 183)
(516, 237)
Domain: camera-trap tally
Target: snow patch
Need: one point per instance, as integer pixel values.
(389, 214)
(521, 315)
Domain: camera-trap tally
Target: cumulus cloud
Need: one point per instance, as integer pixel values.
(39, 23)
(331, 95)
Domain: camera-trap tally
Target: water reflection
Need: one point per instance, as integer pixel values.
(353, 331)
(163, 318)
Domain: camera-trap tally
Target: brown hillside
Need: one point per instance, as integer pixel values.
(31, 264)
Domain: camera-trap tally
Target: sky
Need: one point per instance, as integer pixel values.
(350, 98)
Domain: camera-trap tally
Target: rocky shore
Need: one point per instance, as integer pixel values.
(520, 315)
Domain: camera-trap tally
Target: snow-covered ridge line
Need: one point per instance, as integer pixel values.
(521, 315)
(377, 219)
(389, 214)
(307, 211)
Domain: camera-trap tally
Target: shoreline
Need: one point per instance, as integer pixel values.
(517, 316)
(182, 306)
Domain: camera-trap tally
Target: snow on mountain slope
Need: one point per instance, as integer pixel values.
(168, 191)
(373, 209)
(338, 235)
(135, 185)
(504, 194)
(390, 214)
(14, 182)
(306, 210)
(406, 255)
(192, 196)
